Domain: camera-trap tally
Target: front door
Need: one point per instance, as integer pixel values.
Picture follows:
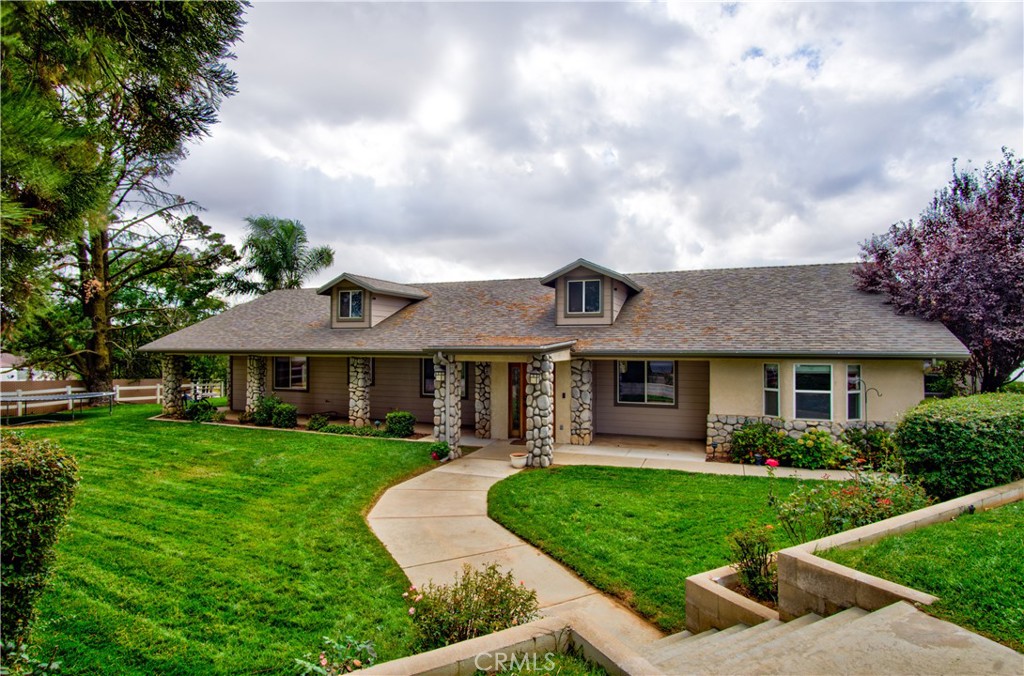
(516, 401)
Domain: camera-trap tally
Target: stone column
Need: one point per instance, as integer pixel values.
(448, 403)
(172, 369)
(358, 391)
(255, 380)
(540, 412)
(581, 408)
(482, 391)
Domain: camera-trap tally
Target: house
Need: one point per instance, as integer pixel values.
(586, 350)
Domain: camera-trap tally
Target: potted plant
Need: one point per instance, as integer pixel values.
(518, 460)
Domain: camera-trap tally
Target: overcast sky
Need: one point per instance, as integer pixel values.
(429, 142)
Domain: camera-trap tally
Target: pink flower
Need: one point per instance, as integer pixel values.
(323, 659)
(418, 598)
(771, 462)
(412, 611)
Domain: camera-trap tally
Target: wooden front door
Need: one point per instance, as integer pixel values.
(516, 401)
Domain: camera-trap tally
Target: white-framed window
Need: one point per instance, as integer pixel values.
(771, 389)
(291, 373)
(427, 385)
(854, 393)
(350, 304)
(583, 296)
(646, 382)
(812, 391)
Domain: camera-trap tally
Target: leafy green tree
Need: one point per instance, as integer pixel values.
(130, 84)
(277, 253)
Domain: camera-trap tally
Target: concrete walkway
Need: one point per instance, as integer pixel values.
(437, 522)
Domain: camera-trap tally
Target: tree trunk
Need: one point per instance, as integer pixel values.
(96, 300)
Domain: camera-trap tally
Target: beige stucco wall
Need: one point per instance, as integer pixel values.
(736, 386)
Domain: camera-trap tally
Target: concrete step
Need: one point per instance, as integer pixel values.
(763, 634)
(671, 639)
(697, 646)
(788, 647)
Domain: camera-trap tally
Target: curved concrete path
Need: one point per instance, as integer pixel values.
(437, 522)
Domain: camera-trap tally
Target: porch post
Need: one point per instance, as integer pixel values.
(448, 402)
(172, 368)
(540, 411)
(358, 391)
(255, 380)
(581, 412)
(482, 389)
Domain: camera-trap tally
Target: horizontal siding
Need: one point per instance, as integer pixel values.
(382, 307)
(396, 387)
(238, 371)
(688, 421)
(328, 387)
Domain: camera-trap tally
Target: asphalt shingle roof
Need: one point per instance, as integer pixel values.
(808, 310)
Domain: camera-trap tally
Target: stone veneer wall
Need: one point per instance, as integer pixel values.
(482, 392)
(448, 405)
(358, 391)
(255, 380)
(172, 369)
(721, 426)
(540, 413)
(581, 421)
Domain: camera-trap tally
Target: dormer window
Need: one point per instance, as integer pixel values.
(350, 304)
(583, 296)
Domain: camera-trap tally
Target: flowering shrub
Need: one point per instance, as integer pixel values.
(339, 657)
(816, 449)
(478, 602)
(834, 506)
(759, 438)
(872, 449)
(438, 450)
(752, 550)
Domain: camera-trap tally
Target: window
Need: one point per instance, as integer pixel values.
(290, 373)
(854, 393)
(646, 382)
(771, 389)
(350, 305)
(813, 391)
(427, 379)
(583, 296)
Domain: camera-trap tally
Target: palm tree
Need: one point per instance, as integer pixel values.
(277, 252)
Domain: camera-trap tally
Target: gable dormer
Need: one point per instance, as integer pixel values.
(589, 294)
(359, 302)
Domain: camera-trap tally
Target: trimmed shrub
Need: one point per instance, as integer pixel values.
(285, 416)
(759, 438)
(964, 444)
(816, 449)
(438, 450)
(752, 550)
(479, 602)
(263, 413)
(200, 410)
(317, 422)
(364, 431)
(39, 480)
(401, 423)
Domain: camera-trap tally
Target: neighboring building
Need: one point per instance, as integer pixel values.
(583, 351)
(11, 367)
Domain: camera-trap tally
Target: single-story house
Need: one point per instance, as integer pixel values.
(585, 350)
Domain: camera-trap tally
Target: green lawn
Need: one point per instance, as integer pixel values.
(197, 549)
(634, 533)
(975, 565)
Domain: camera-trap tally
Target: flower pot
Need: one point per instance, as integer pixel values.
(518, 459)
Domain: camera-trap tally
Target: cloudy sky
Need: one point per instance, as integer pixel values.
(429, 142)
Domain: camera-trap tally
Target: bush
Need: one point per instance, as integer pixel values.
(339, 657)
(200, 410)
(364, 431)
(965, 444)
(39, 480)
(873, 448)
(438, 450)
(285, 416)
(759, 438)
(478, 602)
(401, 424)
(834, 506)
(816, 449)
(317, 422)
(752, 550)
(263, 413)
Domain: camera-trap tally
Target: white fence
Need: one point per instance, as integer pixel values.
(153, 394)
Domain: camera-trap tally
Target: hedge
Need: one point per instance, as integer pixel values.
(964, 444)
(401, 423)
(39, 480)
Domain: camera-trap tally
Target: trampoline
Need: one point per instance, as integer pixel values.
(7, 399)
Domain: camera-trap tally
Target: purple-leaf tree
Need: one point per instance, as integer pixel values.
(962, 264)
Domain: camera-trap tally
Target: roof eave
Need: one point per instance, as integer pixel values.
(600, 269)
(325, 290)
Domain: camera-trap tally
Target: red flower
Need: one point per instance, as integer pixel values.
(771, 462)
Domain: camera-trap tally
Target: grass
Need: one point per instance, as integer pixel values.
(634, 533)
(197, 549)
(974, 564)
